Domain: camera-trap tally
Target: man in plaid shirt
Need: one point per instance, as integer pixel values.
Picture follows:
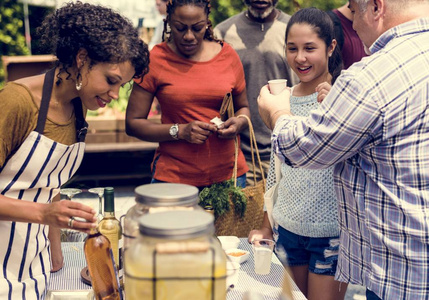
(373, 125)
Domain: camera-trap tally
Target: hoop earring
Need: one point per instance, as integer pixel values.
(78, 85)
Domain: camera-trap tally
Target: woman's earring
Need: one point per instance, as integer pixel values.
(78, 84)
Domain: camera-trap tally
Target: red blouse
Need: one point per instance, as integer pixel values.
(189, 91)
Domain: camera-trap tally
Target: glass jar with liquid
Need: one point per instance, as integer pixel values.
(157, 197)
(175, 257)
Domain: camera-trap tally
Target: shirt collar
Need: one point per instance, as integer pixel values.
(411, 27)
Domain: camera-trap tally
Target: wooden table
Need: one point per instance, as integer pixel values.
(68, 281)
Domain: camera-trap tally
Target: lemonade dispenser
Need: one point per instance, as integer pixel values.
(175, 257)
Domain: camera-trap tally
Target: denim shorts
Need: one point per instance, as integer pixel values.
(320, 254)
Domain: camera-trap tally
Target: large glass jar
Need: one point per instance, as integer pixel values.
(157, 197)
(175, 257)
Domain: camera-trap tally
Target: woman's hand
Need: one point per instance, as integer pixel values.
(322, 89)
(59, 214)
(56, 214)
(231, 128)
(57, 258)
(196, 132)
(263, 233)
(57, 262)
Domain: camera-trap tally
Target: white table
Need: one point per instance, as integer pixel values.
(269, 286)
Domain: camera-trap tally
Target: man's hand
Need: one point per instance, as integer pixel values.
(271, 107)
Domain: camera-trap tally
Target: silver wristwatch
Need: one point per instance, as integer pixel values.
(174, 131)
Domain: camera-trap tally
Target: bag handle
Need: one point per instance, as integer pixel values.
(253, 149)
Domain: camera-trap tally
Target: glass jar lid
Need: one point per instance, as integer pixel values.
(178, 224)
(166, 194)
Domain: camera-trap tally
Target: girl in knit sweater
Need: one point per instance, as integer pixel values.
(305, 212)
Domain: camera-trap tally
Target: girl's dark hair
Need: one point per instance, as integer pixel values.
(324, 28)
(171, 7)
(107, 36)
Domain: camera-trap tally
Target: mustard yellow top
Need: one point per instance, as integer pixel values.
(18, 117)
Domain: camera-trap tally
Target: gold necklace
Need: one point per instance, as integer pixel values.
(262, 23)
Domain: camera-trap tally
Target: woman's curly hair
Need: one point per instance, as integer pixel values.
(171, 7)
(107, 36)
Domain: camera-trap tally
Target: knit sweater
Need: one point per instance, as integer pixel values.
(306, 203)
(262, 52)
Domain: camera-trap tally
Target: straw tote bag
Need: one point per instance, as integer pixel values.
(230, 223)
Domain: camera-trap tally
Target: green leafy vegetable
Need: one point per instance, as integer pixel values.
(218, 195)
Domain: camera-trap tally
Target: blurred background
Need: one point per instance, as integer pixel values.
(111, 157)
(20, 18)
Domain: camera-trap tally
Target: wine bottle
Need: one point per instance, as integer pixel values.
(110, 227)
(101, 267)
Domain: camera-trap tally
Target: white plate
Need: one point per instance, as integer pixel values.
(71, 295)
(229, 242)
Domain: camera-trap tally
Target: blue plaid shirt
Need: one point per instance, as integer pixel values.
(374, 126)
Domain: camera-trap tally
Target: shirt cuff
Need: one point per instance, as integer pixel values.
(284, 120)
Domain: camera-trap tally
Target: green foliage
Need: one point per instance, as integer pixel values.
(12, 39)
(12, 33)
(287, 6)
(124, 94)
(322, 4)
(223, 9)
(119, 105)
(218, 194)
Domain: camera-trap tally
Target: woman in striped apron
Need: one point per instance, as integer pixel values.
(42, 131)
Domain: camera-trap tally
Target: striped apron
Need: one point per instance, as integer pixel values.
(34, 173)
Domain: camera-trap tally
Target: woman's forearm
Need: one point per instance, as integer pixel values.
(20, 211)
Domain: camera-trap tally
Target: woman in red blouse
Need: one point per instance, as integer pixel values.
(189, 74)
